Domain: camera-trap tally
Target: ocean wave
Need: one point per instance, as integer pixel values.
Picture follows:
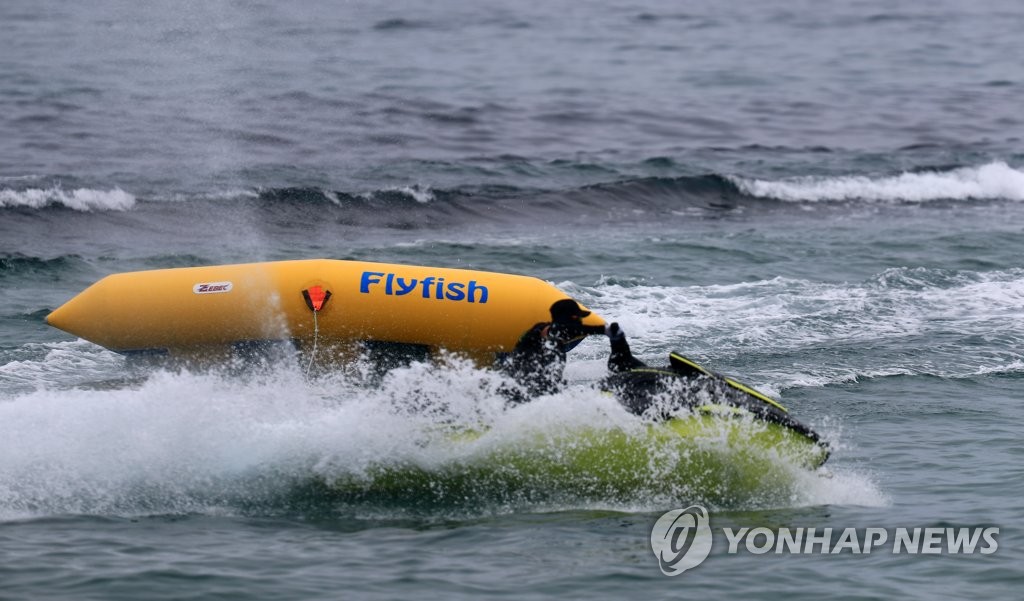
(655, 197)
(79, 199)
(633, 198)
(1013, 367)
(992, 181)
(395, 197)
(424, 205)
(39, 366)
(20, 178)
(18, 264)
(211, 195)
(421, 194)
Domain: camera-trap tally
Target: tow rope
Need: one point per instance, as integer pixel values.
(316, 297)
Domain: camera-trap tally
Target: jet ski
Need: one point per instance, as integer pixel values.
(701, 435)
(689, 398)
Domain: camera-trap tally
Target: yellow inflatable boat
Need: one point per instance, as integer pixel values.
(210, 312)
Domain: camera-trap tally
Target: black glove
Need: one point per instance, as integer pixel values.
(614, 332)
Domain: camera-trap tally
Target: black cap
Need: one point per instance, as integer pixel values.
(567, 311)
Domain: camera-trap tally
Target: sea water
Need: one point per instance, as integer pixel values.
(822, 201)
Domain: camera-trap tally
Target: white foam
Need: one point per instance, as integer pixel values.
(843, 486)
(59, 364)
(225, 194)
(19, 178)
(421, 194)
(1010, 367)
(994, 181)
(793, 315)
(185, 442)
(80, 199)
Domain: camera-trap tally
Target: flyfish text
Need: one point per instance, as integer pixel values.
(428, 287)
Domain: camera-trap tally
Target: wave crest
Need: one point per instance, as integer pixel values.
(992, 181)
(79, 199)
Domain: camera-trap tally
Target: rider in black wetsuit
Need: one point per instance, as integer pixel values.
(538, 360)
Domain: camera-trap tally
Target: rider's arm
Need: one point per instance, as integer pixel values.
(621, 358)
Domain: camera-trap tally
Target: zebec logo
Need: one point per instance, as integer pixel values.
(681, 539)
(212, 287)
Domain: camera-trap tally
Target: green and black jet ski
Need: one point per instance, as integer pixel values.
(703, 436)
(688, 397)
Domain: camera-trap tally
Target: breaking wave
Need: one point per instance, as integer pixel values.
(427, 205)
(993, 181)
(79, 199)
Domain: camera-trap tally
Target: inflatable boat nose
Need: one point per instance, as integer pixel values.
(74, 316)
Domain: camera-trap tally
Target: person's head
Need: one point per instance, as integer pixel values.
(567, 321)
(568, 312)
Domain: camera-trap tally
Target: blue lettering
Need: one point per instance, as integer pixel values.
(427, 281)
(406, 287)
(474, 288)
(395, 285)
(368, 279)
(455, 291)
